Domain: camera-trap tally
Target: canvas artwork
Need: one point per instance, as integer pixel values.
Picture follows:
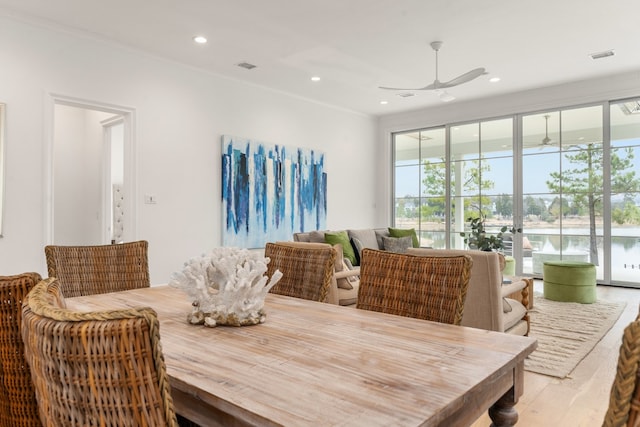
(270, 191)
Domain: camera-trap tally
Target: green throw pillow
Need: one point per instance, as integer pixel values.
(342, 238)
(401, 232)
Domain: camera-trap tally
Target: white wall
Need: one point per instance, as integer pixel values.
(181, 114)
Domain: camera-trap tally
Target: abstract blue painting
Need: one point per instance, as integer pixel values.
(270, 191)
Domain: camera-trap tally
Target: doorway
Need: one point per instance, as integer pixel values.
(90, 177)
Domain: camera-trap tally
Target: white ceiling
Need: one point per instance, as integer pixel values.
(357, 45)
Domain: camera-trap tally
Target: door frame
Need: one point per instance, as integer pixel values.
(130, 159)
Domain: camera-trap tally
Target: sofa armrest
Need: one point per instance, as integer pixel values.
(511, 288)
(525, 294)
(347, 273)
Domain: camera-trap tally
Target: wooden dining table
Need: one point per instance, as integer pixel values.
(317, 364)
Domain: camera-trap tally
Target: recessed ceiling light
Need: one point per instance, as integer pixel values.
(200, 39)
(384, 102)
(406, 94)
(315, 79)
(494, 79)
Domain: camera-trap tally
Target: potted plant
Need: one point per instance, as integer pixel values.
(478, 237)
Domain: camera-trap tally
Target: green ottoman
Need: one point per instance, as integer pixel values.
(510, 266)
(569, 281)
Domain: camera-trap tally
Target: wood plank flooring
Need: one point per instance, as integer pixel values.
(582, 399)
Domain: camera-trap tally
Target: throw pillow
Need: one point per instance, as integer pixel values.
(398, 245)
(358, 246)
(342, 283)
(342, 238)
(506, 307)
(379, 235)
(401, 232)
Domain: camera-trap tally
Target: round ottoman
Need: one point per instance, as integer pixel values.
(509, 266)
(569, 281)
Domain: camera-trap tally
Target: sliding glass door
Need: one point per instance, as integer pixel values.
(568, 179)
(562, 191)
(420, 176)
(481, 176)
(625, 191)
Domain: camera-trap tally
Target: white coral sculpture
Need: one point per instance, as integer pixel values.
(228, 287)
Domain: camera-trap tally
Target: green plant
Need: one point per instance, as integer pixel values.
(478, 237)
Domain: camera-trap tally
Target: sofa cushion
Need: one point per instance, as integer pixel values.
(343, 283)
(398, 245)
(367, 237)
(402, 232)
(348, 301)
(514, 316)
(316, 236)
(342, 238)
(348, 296)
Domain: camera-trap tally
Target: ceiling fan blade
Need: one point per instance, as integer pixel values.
(404, 88)
(437, 84)
(466, 77)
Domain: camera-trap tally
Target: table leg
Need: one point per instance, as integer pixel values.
(503, 413)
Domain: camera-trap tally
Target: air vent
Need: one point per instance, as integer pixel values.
(601, 55)
(246, 65)
(406, 94)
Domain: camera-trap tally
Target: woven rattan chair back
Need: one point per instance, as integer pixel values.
(306, 272)
(624, 401)
(430, 288)
(95, 368)
(18, 406)
(89, 270)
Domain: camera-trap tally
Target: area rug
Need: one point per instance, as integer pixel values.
(567, 332)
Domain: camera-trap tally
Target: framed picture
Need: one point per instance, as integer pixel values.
(270, 191)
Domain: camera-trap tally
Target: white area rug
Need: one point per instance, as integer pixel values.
(567, 332)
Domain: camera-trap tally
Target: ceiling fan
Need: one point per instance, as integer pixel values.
(546, 140)
(439, 86)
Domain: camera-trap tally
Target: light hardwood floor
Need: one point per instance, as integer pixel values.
(583, 398)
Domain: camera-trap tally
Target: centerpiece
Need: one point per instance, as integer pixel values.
(228, 286)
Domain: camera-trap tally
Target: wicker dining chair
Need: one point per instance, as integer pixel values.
(306, 271)
(430, 288)
(89, 270)
(18, 405)
(95, 368)
(624, 400)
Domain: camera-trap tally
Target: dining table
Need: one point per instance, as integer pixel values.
(317, 364)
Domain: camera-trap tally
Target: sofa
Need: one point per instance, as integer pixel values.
(488, 305)
(354, 240)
